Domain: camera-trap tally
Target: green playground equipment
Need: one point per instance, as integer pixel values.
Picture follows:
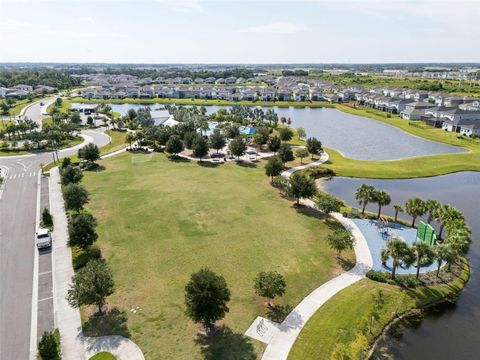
(426, 233)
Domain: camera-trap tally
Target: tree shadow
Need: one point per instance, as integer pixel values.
(208, 164)
(345, 264)
(179, 159)
(246, 164)
(278, 313)
(113, 322)
(224, 344)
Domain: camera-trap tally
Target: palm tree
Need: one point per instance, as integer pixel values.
(444, 253)
(432, 207)
(447, 214)
(398, 250)
(424, 255)
(364, 195)
(398, 208)
(415, 207)
(382, 199)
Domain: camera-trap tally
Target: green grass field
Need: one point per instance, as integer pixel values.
(159, 221)
(339, 320)
(103, 356)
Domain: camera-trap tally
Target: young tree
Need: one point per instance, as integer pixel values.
(286, 134)
(301, 186)
(364, 195)
(174, 145)
(81, 229)
(328, 204)
(301, 132)
(301, 153)
(49, 346)
(206, 298)
(47, 219)
(237, 147)
(71, 175)
(314, 146)
(270, 284)
(274, 167)
(89, 152)
(424, 255)
(130, 138)
(415, 207)
(398, 208)
(200, 147)
(382, 198)
(340, 240)
(65, 162)
(91, 285)
(274, 144)
(285, 153)
(217, 140)
(75, 196)
(75, 118)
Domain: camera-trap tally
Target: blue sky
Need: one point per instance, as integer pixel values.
(239, 31)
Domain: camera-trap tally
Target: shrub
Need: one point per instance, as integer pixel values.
(81, 257)
(280, 182)
(47, 220)
(317, 172)
(49, 346)
(376, 275)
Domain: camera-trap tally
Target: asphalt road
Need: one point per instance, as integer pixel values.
(18, 210)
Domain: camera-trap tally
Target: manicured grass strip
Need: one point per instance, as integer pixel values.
(103, 356)
(160, 220)
(347, 313)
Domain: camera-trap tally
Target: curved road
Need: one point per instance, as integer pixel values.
(18, 214)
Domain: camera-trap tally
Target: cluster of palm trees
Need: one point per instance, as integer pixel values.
(367, 194)
(19, 130)
(421, 254)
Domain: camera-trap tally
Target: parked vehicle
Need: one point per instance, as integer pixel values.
(43, 238)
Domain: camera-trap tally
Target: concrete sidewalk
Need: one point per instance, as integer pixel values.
(75, 346)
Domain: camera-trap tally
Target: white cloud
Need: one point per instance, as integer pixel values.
(278, 27)
(18, 24)
(183, 5)
(86, 19)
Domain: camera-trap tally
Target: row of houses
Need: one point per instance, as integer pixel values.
(459, 114)
(21, 91)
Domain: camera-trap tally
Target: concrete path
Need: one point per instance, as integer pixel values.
(75, 346)
(286, 333)
(323, 158)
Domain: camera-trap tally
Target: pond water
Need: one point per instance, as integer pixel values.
(354, 136)
(454, 334)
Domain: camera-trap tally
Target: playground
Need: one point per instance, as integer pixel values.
(377, 233)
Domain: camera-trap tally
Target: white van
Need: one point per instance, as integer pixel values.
(43, 239)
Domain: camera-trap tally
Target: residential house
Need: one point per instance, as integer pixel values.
(147, 92)
(22, 87)
(470, 105)
(230, 80)
(210, 80)
(316, 94)
(220, 81)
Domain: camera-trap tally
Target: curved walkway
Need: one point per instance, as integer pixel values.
(76, 346)
(282, 338)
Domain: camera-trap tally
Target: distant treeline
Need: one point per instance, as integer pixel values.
(295, 73)
(179, 72)
(59, 79)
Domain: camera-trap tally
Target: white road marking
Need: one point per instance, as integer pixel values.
(45, 272)
(47, 298)
(34, 313)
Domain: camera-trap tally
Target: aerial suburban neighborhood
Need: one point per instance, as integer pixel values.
(271, 180)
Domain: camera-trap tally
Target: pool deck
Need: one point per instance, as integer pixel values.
(377, 238)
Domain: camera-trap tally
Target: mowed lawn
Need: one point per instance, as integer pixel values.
(347, 313)
(159, 221)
